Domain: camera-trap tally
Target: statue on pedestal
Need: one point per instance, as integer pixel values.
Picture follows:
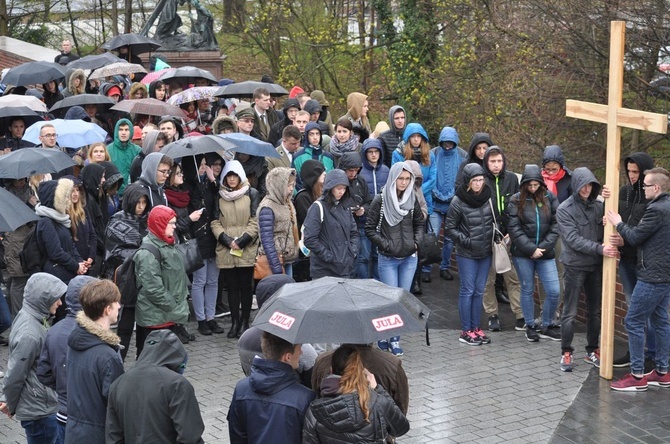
(167, 32)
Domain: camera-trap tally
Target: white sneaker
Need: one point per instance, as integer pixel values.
(254, 303)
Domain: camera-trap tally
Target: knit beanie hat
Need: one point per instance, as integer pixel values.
(159, 217)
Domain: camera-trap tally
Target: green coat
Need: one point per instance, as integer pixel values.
(163, 287)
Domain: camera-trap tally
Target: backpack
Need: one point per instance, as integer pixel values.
(125, 279)
(32, 256)
(305, 251)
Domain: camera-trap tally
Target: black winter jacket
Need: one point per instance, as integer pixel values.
(391, 137)
(503, 187)
(632, 201)
(534, 228)
(400, 240)
(553, 153)
(651, 237)
(336, 418)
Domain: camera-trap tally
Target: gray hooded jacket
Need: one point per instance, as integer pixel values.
(148, 180)
(580, 223)
(26, 397)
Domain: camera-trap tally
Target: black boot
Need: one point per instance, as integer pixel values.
(203, 328)
(416, 285)
(234, 328)
(244, 326)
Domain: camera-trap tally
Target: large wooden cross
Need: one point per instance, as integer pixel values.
(615, 117)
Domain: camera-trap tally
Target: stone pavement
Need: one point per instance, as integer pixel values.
(508, 391)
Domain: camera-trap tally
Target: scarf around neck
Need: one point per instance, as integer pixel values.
(337, 148)
(394, 209)
(177, 198)
(552, 179)
(230, 195)
(472, 199)
(54, 215)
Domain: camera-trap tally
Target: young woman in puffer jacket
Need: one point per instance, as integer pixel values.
(236, 229)
(395, 226)
(469, 224)
(352, 407)
(533, 230)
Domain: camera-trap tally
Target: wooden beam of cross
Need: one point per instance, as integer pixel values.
(615, 117)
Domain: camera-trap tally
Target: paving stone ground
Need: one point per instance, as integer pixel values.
(508, 391)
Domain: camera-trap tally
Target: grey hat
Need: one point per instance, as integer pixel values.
(246, 113)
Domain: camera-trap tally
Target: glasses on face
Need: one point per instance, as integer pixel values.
(165, 172)
(552, 170)
(477, 180)
(172, 222)
(179, 174)
(647, 185)
(50, 136)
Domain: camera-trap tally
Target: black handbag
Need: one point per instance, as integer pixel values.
(191, 256)
(430, 251)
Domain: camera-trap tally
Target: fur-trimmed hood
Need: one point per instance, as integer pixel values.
(77, 73)
(80, 341)
(56, 194)
(137, 86)
(222, 121)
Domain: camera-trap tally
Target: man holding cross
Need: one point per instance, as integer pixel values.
(651, 295)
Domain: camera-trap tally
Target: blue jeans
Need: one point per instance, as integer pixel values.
(628, 276)
(41, 431)
(363, 261)
(546, 271)
(61, 432)
(576, 279)
(203, 291)
(397, 272)
(5, 314)
(648, 302)
(436, 220)
(472, 274)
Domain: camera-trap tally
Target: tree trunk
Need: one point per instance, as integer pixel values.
(128, 19)
(3, 17)
(115, 18)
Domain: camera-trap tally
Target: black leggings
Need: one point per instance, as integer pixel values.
(125, 330)
(240, 284)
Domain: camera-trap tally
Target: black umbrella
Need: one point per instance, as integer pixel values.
(249, 145)
(188, 74)
(138, 43)
(246, 89)
(34, 73)
(14, 212)
(28, 161)
(60, 108)
(8, 112)
(94, 61)
(194, 145)
(355, 311)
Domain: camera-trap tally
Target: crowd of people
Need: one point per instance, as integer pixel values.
(340, 199)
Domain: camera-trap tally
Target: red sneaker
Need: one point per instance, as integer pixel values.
(654, 378)
(630, 383)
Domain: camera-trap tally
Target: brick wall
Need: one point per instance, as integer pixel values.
(9, 60)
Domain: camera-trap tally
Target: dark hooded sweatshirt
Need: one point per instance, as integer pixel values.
(155, 388)
(392, 137)
(148, 180)
(503, 186)
(477, 138)
(96, 205)
(632, 201)
(553, 153)
(358, 188)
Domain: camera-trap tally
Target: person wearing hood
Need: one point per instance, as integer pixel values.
(418, 180)
(123, 237)
(632, 205)
(256, 170)
(122, 150)
(93, 362)
(352, 405)
(313, 174)
(532, 227)
(178, 195)
(580, 221)
(330, 232)
(651, 296)
(277, 226)
(375, 172)
(324, 116)
(503, 185)
(77, 113)
(476, 150)
(555, 174)
(351, 163)
(290, 109)
(271, 402)
(158, 91)
(76, 83)
(395, 225)
(236, 228)
(312, 150)
(24, 397)
(170, 410)
(97, 211)
(53, 231)
(163, 284)
(224, 125)
(391, 138)
(51, 366)
(469, 224)
(156, 168)
(344, 140)
(448, 160)
(113, 182)
(249, 345)
(357, 110)
(153, 142)
(81, 227)
(51, 93)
